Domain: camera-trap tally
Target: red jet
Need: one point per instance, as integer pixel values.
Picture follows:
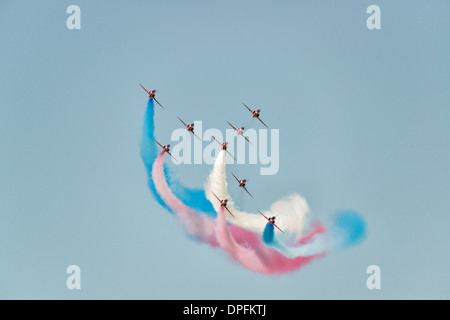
(242, 184)
(255, 114)
(223, 203)
(239, 131)
(166, 148)
(190, 128)
(224, 147)
(271, 221)
(151, 95)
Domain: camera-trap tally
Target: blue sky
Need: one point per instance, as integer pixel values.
(363, 118)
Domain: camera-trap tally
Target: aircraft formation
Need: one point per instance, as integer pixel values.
(239, 132)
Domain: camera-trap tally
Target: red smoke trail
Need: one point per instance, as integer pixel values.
(244, 255)
(244, 246)
(196, 224)
(252, 253)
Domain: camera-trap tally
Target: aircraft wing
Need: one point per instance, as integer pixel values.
(216, 140)
(196, 135)
(172, 156)
(248, 192)
(231, 155)
(215, 196)
(158, 102)
(278, 228)
(143, 87)
(229, 212)
(247, 139)
(247, 107)
(182, 122)
(232, 126)
(158, 143)
(235, 177)
(262, 122)
(263, 215)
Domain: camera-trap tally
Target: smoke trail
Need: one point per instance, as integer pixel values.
(268, 234)
(194, 198)
(148, 149)
(242, 245)
(267, 254)
(262, 258)
(293, 215)
(348, 229)
(292, 212)
(318, 244)
(244, 255)
(253, 254)
(198, 225)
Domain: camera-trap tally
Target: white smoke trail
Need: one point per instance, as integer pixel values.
(319, 244)
(292, 212)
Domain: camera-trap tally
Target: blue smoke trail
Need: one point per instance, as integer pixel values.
(348, 229)
(194, 198)
(317, 245)
(268, 234)
(148, 149)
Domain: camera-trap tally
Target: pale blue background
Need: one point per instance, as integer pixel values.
(363, 118)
